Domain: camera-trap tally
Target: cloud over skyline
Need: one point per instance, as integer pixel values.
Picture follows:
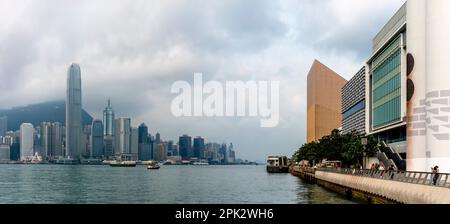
(133, 51)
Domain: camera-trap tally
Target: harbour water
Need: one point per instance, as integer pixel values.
(168, 185)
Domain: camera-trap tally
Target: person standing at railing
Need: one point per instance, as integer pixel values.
(372, 169)
(381, 168)
(435, 171)
(391, 171)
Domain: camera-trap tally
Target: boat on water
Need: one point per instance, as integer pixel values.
(200, 164)
(116, 163)
(153, 166)
(277, 164)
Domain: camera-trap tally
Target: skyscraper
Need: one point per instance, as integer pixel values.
(108, 120)
(56, 142)
(170, 148)
(223, 153)
(134, 142)
(158, 138)
(97, 139)
(109, 146)
(73, 112)
(4, 152)
(144, 148)
(122, 136)
(185, 144)
(46, 139)
(3, 125)
(161, 151)
(15, 151)
(26, 141)
(37, 141)
(86, 150)
(231, 154)
(143, 133)
(199, 147)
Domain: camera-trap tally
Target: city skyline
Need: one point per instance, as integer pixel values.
(138, 78)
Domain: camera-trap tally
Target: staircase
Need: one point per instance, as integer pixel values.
(389, 156)
(385, 160)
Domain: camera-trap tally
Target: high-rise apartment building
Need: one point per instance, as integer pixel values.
(56, 140)
(26, 141)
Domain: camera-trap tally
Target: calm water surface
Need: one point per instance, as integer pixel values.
(170, 184)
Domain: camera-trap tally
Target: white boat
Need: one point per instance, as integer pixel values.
(153, 166)
(200, 164)
(116, 163)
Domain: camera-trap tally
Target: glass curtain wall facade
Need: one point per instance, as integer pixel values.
(386, 85)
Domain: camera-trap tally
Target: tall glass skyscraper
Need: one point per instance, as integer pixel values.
(144, 147)
(199, 147)
(108, 120)
(73, 112)
(185, 144)
(97, 139)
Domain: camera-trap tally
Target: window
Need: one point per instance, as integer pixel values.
(359, 106)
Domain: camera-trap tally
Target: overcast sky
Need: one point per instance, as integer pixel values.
(133, 51)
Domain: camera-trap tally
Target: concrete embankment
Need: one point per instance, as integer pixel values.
(373, 190)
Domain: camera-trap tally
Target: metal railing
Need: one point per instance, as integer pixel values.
(438, 180)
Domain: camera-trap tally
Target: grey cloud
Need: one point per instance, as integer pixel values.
(323, 29)
(132, 51)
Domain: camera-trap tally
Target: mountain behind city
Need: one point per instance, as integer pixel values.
(53, 111)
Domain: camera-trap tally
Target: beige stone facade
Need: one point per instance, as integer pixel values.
(324, 101)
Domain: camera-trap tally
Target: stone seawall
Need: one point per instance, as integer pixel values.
(396, 191)
(376, 191)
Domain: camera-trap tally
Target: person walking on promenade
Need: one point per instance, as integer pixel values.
(435, 172)
(391, 171)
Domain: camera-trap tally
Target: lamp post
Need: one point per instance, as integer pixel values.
(364, 144)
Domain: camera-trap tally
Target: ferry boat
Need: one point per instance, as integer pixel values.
(200, 164)
(153, 166)
(116, 163)
(277, 164)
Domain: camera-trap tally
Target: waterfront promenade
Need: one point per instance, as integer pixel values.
(380, 187)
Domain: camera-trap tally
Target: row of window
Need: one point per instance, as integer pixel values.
(387, 52)
(356, 108)
(387, 113)
(387, 88)
(392, 63)
(386, 84)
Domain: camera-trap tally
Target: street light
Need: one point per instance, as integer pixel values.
(364, 144)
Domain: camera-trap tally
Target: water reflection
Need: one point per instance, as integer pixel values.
(170, 184)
